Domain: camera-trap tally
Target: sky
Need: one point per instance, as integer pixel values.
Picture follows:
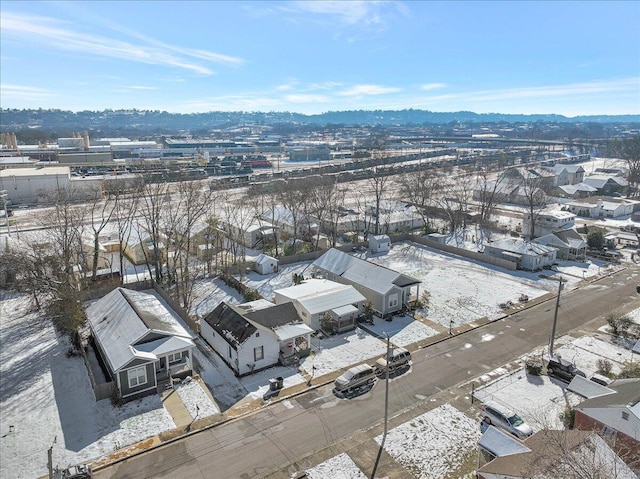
(564, 57)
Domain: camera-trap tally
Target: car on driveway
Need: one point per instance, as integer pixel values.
(562, 369)
(499, 416)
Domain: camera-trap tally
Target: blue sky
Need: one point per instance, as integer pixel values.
(570, 58)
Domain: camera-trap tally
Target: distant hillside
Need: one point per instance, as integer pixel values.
(142, 120)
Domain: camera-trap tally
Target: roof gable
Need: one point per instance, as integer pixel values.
(229, 322)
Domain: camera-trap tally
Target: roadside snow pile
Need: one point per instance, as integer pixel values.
(403, 330)
(338, 467)
(196, 400)
(433, 444)
(341, 351)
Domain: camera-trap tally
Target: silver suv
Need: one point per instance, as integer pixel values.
(355, 377)
(399, 357)
(499, 416)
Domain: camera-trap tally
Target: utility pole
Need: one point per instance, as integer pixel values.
(555, 317)
(50, 458)
(386, 408)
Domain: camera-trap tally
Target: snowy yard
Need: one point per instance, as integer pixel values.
(209, 293)
(266, 284)
(540, 400)
(338, 467)
(196, 400)
(341, 351)
(47, 396)
(433, 444)
(403, 330)
(461, 289)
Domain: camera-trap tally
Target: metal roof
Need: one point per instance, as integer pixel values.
(320, 295)
(588, 389)
(500, 444)
(290, 331)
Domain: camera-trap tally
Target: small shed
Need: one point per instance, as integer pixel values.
(265, 264)
(379, 243)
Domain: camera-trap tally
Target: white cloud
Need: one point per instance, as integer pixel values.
(57, 34)
(305, 98)
(13, 93)
(359, 90)
(432, 86)
(141, 87)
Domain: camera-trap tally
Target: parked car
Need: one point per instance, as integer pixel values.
(355, 377)
(499, 416)
(638, 289)
(399, 357)
(562, 369)
(600, 379)
(81, 471)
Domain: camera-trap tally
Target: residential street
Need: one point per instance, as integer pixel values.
(267, 441)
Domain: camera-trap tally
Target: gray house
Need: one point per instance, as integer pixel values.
(388, 291)
(140, 341)
(527, 255)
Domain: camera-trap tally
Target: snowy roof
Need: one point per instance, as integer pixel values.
(124, 317)
(500, 444)
(49, 170)
(290, 331)
(627, 393)
(587, 389)
(236, 324)
(346, 309)
(164, 346)
(264, 258)
(516, 245)
(320, 295)
(598, 181)
(358, 271)
(572, 189)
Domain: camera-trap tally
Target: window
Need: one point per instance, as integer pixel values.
(625, 415)
(258, 353)
(257, 334)
(137, 376)
(175, 357)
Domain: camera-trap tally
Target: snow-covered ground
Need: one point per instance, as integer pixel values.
(338, 467)
(341, 351)
(196, 400)
(266, 284)
(257, 384)
(209, 293)
(540, 400)
(402, 330)
(461, 289)
(434, 444)
(46, 397)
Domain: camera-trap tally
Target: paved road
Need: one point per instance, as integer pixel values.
(279, 435)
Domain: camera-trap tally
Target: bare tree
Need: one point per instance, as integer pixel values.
(378, 183)
(487, 194)
(123, 216)
(292, 198)
(100, 214)
(154, 201)
(629, 150)
(533, 189)
(420, 188)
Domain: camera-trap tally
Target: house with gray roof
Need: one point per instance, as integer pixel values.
(140, 340)
(526, 254)
(607, 185)
(616, 414)
(388, 291)
(256, 335)
(569, 244)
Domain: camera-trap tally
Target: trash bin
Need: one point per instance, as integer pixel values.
(276, 383)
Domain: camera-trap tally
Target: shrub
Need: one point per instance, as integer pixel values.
(533, 366)
(604, 366)
(251, 295)
(568, 417)
(620, 325)
(595, 239)
(630, 370)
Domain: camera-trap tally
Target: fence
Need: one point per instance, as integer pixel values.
(100, 390)
(502, 263)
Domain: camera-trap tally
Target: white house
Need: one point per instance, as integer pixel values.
(265, 264)
(527, 255)
(548, 222)
(313, 298)
(379, 243)
(598, 207)
(256, 335)
(388, 291)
